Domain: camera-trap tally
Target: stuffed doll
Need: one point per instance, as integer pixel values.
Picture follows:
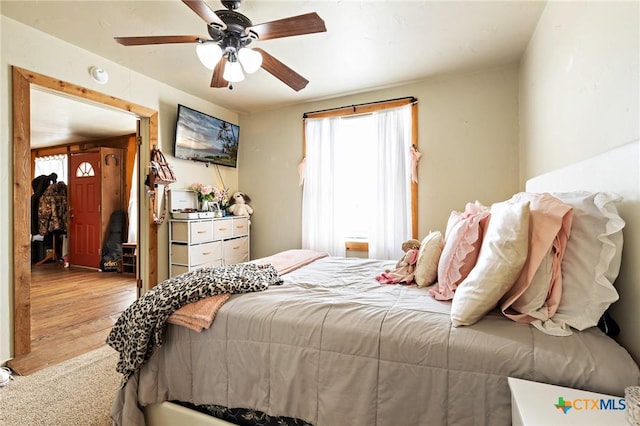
(406, 266)
(239, 205)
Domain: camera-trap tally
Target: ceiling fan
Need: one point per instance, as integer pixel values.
(230, 32)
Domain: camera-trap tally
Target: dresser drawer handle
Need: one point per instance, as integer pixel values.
(201, 232)
(240, 226)
(206, 253)
(222, 229)
(236, 248)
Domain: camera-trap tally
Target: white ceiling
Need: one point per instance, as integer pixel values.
(57, 120)
(368, 44)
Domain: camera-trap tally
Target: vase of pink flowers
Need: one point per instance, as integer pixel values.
(205, 195)
(209, 196)
(222, 198)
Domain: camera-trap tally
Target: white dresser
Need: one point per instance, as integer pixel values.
(196, 243)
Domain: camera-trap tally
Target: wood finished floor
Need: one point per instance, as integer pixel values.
(72, 312)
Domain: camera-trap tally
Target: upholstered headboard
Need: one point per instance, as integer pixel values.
(617, 170)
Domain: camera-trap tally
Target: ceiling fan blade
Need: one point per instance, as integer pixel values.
(293, 26)
(216, 79)
(282, 72)
(139, 41)
(204, 12)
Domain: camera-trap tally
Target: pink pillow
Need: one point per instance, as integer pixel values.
(536, 293)
(463, 239)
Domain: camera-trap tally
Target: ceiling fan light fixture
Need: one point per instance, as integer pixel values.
(250, 59)
(233, 72)
(230, 32)
(209, 54)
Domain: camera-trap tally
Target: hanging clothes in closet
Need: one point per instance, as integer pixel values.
(52, 219)
(39, 243)
(39, 185)
(52, 211)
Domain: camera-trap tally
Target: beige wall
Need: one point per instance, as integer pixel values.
(33, 50)
(580, 96)
(579, 86)
(468, 134)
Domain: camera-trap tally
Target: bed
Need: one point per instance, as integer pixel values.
(332, 346)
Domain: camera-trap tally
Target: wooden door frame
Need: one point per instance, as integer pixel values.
(22, 82)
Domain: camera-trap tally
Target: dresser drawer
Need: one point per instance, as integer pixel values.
(235, 250)
(197, 254)
(222, 228)
(200, 231)
(181, 269)
(240, 226)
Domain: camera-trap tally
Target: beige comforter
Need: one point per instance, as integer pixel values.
(199, 315)
(334, 347)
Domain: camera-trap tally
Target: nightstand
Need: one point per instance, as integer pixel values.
(534, 403)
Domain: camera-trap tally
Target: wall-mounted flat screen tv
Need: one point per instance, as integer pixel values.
(201, 137)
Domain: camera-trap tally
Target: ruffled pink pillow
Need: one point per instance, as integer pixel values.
(463, 239)
(536, 293)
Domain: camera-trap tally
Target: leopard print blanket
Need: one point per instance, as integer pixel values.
(140, 327)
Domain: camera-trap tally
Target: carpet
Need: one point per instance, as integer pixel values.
(76, 392)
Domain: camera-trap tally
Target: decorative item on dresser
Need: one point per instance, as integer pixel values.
(195, 243)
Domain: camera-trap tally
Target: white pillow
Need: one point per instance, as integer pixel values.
(502, 255)
(428, 258)
(592, 259)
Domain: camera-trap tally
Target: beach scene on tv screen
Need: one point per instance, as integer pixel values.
(201, 137)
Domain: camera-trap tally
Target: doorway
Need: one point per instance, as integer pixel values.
(22, 82)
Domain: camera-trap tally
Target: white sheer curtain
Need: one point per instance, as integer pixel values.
(392, 217)
(52, 164)
(132, 208)
(320, 224)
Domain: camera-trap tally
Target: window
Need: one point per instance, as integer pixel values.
(85, 170)
(52, 164)
(354, 164)
(358, 179)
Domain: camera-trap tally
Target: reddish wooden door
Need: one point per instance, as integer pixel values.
(85, 227)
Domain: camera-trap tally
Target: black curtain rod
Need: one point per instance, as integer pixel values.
(412, 98)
